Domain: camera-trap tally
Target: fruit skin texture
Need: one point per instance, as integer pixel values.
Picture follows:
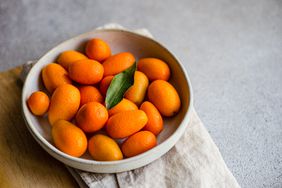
(86, 71)
(118, 63)
(164, 96)
(38, 103)
(69, 138)
(155, 120)
(90, 94)
(97, 49)
(126, 123)
(155, 69)
(138, 143)
(103, 148)
(137, 92)
(105, 83)
(54, 75)
(123, 105)
(68, 57)
(92, 117)
(64, 103)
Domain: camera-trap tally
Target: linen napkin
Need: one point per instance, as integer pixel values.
(194, 161)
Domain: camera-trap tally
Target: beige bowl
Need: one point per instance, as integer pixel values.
(120, 41)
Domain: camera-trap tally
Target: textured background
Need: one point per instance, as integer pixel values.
(232, 51)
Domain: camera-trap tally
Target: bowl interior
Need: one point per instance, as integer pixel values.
(119, 41)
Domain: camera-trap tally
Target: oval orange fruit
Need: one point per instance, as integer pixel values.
(155, 69)
(86, 71)
(68, 57)
(98, 49)
(118, 63)
(54, 75)
(136, 93)
(64, 103)
(155, 120)
(38, 103)
(126, 123)
(90, 94)
(138, 143)
(164, 96)
(123, 105)
(105, 83)
(69, 138)
(92, 117)
(103, 148)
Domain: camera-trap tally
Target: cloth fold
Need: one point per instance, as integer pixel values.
(194, 161)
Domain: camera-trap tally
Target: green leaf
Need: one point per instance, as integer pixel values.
(120, 83)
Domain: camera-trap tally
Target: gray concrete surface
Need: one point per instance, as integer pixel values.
(232, 51)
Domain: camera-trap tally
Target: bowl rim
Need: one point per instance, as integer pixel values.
(183, 124)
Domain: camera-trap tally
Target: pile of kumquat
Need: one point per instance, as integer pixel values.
(97, 99)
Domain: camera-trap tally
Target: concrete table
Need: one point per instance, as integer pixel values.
(232, 51)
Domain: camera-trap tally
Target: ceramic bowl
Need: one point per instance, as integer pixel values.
(119, 41)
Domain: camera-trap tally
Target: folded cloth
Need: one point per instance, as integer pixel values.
(194, 161)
